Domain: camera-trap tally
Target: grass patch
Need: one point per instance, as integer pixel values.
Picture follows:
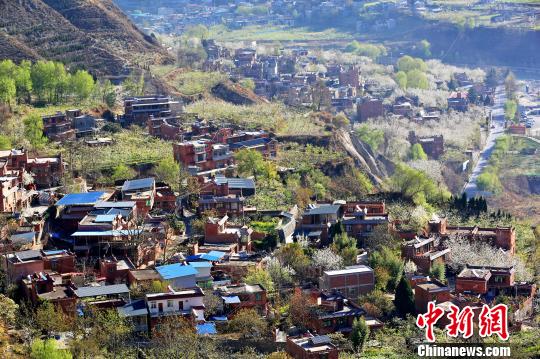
(131, 147)
(275, 33)
(274, 117)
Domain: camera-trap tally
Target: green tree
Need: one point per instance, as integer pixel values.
(33, 131)
(5, 142)
(252, 163)
(407, 63)
(248, 323)
(438, 271)
(248, 84)
(510, 110)
(372, 136)
(168, 171)
(23, 80)
(388, 260)
(417, 79)
(122, 172)
(417, 186)
(292, 254)
(133, 86)
(8, 90)
(424, 48)
(320, 96)
(401, 79)
(43, 79)
(46, 349)
(82, 84)
(472, 95)
(510, 85)
(417, 152)
(260, 276)
(50, 319)
(345, 246)
(106, 93)
(404, 299)
(359, 334)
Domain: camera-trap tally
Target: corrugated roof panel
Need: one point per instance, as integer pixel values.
(176, 270)
(81, 198)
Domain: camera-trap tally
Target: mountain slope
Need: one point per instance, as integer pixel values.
(93, 34)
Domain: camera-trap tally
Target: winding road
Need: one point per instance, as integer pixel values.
(497, 122)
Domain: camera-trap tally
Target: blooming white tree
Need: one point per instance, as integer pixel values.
(410, 267)
(327, 259)
(282, 275)
(464, 251)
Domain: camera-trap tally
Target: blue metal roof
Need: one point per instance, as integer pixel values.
(137, 184)
(250, 143)
(213, 256)
(231, 299)
(104, 218)
(176, 270)
(54, 252)
(120, 204)
(236, 183)
(200, 264)
(81, 198)
(206, 329)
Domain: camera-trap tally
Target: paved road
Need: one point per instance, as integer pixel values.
(497, 112)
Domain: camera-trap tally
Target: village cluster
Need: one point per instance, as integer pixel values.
(99, 248)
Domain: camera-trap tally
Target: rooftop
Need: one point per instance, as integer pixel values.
(84, 292)
(350, 270)
(323, 209)
(138, 184)
(176, 270)
(89, 198)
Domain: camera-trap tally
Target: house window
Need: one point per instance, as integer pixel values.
(153, 305)
(327, 323)
(169, 303)
(258, 296)
(498, 279)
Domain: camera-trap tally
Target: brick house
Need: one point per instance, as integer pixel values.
(142, 191)
(430, 291)
(186, 303)
(370, 108)
(218, 231)
(167, 128)
(46, 171)
(333, 312)
(138, 109)
(424, 252)
(311, 347)
(21, 264)
(244, 296)
(433, 146)
(351, 281)
(458, 101)
(485, 280)
(319, 218)
(202, 154)
(50, 287)
(58, 127)
(13, 197)
(350, 77)
(265, 145)
(500, 237)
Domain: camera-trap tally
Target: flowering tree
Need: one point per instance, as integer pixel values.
(464, 251)
(327, 259)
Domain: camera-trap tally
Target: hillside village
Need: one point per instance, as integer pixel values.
(262, 200)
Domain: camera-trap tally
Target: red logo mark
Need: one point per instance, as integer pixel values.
(460, 322)
(429, 319)
(494, 321)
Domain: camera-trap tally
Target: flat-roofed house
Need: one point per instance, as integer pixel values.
(351, 281)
